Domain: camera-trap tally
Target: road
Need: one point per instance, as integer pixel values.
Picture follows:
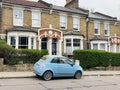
(86, 83)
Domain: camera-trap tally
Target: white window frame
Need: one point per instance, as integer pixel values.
(96, 47)
(97, 27)
(29, 35)
(72, 47)
(63, 21)
(99, 45)
(76, 23)
(106, 28)
(36, 19)
(18, 16)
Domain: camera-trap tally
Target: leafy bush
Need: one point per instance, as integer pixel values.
(32, 56)
(115, 59)
(92, 58)
(5, 50)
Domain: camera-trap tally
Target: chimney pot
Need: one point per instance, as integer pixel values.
(67, 1)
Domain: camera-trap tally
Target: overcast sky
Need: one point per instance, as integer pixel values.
(108, 7)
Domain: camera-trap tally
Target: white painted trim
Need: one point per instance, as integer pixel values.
(98, 22)
(73, 37)
(24, 34)
(99, 42)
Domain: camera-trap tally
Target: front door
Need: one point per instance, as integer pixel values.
(54, 46)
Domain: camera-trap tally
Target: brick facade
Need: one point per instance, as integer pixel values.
(50, 19)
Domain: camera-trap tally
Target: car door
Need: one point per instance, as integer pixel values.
(54, 66)
(65, 68)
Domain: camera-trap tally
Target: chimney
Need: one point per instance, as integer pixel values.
(67, 1)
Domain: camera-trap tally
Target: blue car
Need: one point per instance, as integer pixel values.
(57, 66)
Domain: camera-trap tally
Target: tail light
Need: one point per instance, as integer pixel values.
(42, 66)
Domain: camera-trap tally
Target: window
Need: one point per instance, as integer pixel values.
(106, 28)
(102, 46)
(75, 23)
(96, 28)
(68, 47)
(23, 42)
(44, 43)
(12, 41)
(55, 60)
(18, 17)
(32, 43)
(99, 46)
(95, 46)
(63, 22)
(68, 42)
(35, 19)
(76, 44)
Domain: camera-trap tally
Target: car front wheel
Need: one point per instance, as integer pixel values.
(78, 75)
(47, 75)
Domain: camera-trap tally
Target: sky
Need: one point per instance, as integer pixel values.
(108, 7)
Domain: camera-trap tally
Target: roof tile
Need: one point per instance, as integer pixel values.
(26, 2)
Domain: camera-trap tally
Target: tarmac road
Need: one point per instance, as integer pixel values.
(86, 83)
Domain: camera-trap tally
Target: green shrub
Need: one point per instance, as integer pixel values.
(6, 51)
(92, 58)
(32, 56)
(115, 59)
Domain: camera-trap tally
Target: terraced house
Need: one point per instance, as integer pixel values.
(61, 30)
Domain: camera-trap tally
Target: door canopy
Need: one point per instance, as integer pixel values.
(49, 33)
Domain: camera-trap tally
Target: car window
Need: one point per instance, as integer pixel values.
(63, 60)
(44, 58)
(66, 61)
(55, 60)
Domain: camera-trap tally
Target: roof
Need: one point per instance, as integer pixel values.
(72, 1)
(98, 38)
(77, 33)
(40, 3)
(71, 10)
(100, 16)
(19, 28)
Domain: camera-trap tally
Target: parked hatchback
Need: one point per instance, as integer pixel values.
(57, 66)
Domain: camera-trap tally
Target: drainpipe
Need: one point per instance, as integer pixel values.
(87, 40)
(1, 15)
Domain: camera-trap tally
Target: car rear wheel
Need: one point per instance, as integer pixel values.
(78, 75)
(47, 75)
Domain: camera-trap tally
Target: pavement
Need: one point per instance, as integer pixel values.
(4, 75)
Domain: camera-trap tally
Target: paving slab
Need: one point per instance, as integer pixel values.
(31, 74)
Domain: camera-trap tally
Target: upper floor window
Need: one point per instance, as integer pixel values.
(106, 29)
(76, 22)
(35, 19)
(18, 17)
(63, 22)
(97, 28)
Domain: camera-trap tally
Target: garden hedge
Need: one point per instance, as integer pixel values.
(92, 58)
(115, 59)
(14, 56)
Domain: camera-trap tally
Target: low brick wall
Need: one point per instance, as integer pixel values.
(19, 67)
(1, 61)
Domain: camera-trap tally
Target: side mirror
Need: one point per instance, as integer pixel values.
(72, 64)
